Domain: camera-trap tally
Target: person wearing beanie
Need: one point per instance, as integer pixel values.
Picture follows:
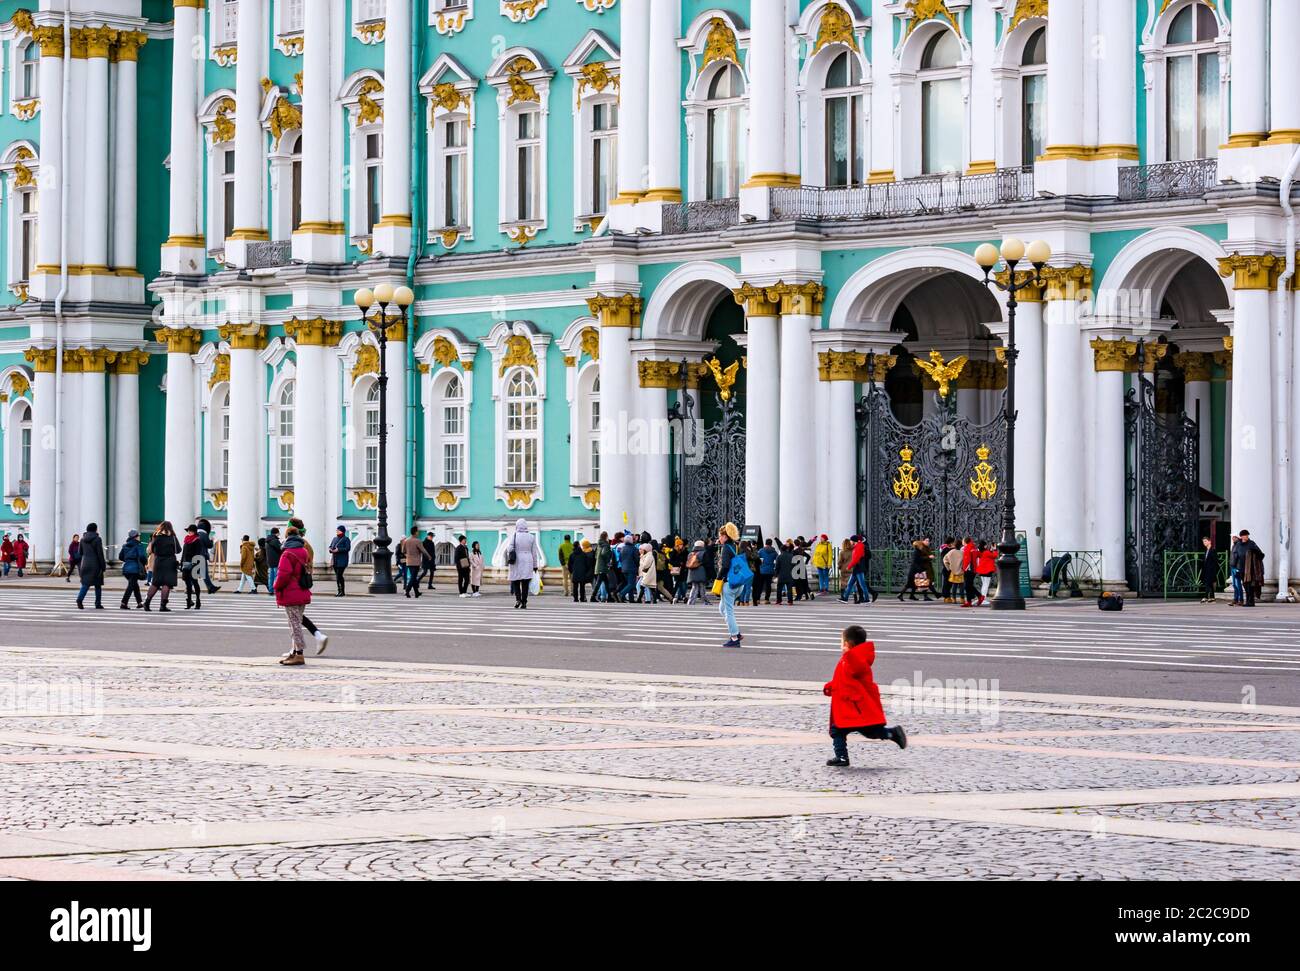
(133, 557)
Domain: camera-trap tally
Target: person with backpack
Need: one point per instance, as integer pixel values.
(733, 574)
(91, 564)
(293, 583)
(767, 559)
(134, 557)
(697, 575)
(856, 569)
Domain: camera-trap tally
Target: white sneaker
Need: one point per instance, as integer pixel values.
(476, 595)
(322, 641)
(464, 596)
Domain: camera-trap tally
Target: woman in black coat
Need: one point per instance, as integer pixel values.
(166, 550)
(582, 567)
(1209, 571)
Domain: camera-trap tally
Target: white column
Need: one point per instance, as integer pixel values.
(398, 444)
(309, 442)
(1253, 506)
(1030, 428)
(763, 413)
(616, 315)
(126, 445)
(797, 499)
(1109, 473)
(665, 102)
(1196, 402)
(843, 467)
(1117, 79)
(318, 239)
(246, 494)
(250, 152)
(1285, 73)
(983, 103)
(1063, 479)
(393, 232)
(184, 251)
(1294, 428)
(634, 102)
(76, 164)
(90, 464)
(40, 516)
(655, 512)
(51, 203)
(1062, 169)
(94, 216)
(180, 489)
(766, 68)
(1249, 88)
(124, 153)
(882, 98)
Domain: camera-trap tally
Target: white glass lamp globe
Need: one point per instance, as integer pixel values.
(384, 293)
(364, 298)
(987, 256)
(1038, 252)
(1013, 250)
(404, 296)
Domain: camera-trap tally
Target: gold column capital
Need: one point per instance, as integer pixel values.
(317, 332)
(51, 40)
(1153, 354)
(1112, 356)
(128, 45)
(1224, 360)
(100, 41)
(243, 337)
(87, 360)
(758, 302)
(660, 374)
(1067, 282)
(881, 365)
(180, 340)
(1194, 365)
(42, 359)
(840, 365)
(1031, 292)
(1252, 272)
(130, 362)
(798, 299)
(620, 310)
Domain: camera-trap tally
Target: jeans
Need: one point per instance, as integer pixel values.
(840, 737)
(244, 578)
(823, 579)
(727, 607)
(629, 588)
(99, 592)
(600, 589)
(270, 580)
(858, 580)
(1238, 591)
(785, 588)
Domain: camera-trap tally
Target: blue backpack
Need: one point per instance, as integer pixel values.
(740, 573)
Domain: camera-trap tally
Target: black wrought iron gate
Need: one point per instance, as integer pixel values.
(708, 470)
(1162, 484)
(943, 477)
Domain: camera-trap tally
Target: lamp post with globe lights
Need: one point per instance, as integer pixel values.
(1012, 253)
(384, 295)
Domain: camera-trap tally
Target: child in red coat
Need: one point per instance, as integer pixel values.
(855, 698)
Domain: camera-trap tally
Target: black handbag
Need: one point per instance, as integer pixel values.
(512, 556)
(1110, 602)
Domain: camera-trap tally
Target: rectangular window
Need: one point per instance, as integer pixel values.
(453, 464)
(364, 11)
(521, 461)
(1180, 108)
(527, 162)
(604, 149)
(227, 193)
(941, 126)
(1207, 77)
(374, 180)
(1033, 118)
(372, 465)
(286, 465)
(291, 16)
(452, 420)
(296, 213)
(25, 462)
(29, 229)
(227, 23)
(455, 174)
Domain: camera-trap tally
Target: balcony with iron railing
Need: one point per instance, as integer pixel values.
(269, 254)
(705, 216)
(926, 196)
(1168, 180)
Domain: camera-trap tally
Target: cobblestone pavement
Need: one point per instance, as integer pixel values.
(138, 766)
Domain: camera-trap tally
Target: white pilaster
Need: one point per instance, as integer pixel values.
(842, 521)
(1031, 434)
(798, 379)
(763, 477)
(1064, 166)
(983, 102)
(90, 465)
(1108, 481)
(309, 446)
(180, 490)
(399, 513)
(184, 251)
(665, 103)
(40, 517)
(94, 215)
(1063, 458)
(125, 116)
(126, 450)
(634, 107)
(1196, 402)
(46, 283)
(1253, 505)
(319, 239)
(75, 166)
(883, 149)
(615, 400)
(1284, 78)
(393, 232)
(250, 150)
(246, 492)
(1248, 93)
(655, 511)
(766, 66)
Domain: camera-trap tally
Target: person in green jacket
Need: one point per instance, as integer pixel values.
(566, 551)
(600, 589)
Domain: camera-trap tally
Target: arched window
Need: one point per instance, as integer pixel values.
(284, 430)
(1033, 98)
(452, 433)
(221, 440)
(370, 437)
(1192, 117)
(941, 105)
(523, 429)
(29, 72)
(728, 131)
(845, 154)
(18, 462)
(593, 431)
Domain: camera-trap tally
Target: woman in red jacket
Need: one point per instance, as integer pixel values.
(293, 593)
(986, 564)
(855, 698)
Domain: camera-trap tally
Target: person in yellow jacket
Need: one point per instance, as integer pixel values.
(247, 566)
(822, 559)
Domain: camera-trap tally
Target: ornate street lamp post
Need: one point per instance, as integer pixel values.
(384, 295)
(1013, 252)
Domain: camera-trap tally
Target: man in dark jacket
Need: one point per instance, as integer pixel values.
(91, 567)
(462, 562)
(1251, 558)
(628, 561)
(205, 534)
(273, 551)
(340, 556)
(581, 565)
(429, 562)
(134, 558)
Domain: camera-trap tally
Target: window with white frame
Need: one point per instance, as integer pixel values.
(221, 221)
(1192, 111)
(372, 184)
(589, 427)
(27, 82)
(225, 22)
(284, 432)
(370, 437)
(727, 119)
(286, 185)
(222, 415)
(1033, 98)
(18, 460)
(523, 428)
(844, 129)
(942, 126)
(25, 204)
(451, 200)
(290, 16)
(601, 155)
(526, 164)
(450, 6)
(453, 433)
(368, 11)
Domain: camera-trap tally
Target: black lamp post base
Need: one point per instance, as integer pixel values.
(1008, 596)
(382, 582)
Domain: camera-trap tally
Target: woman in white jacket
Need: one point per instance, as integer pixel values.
(524, 557)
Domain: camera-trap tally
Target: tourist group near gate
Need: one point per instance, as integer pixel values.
(854, 438)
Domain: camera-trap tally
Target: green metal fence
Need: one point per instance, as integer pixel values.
(1183, 574)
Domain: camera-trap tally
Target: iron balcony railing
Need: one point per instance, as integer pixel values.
(1168, 180)
(930, 195)
(708, 216)
(268, 254)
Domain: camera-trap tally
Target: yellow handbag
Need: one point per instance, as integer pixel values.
(717, 588)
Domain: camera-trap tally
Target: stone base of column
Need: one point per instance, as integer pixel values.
(185, 255)
(625, 214)
(87, 284)
(392, 236)
(237, 245)
(319, 243)
(1092, 172)
(756, 201)
(1247, 162)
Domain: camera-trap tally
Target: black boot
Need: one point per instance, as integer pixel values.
(839, 762)
(898, 736)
